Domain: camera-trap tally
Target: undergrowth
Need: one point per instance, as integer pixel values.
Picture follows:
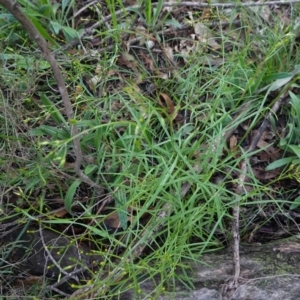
(144, 137)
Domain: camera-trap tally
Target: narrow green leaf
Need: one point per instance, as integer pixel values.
(148, 11)
(28, 4)
(295, 204)
(280, 163)
(295, 149)
(54, 132)
(157, 11)
(295, 100)
(52, 110)
(97, 231)
(64, 5)
(70, 195)
(89, 169)
(276, 76)
(121, 200)
(61, 155)
(93, 229)
(43, 31)
(280, 83)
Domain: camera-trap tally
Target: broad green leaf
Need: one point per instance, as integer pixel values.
(296, 161)
(56, 27)
(89, 169)
(69, 33)
(275, 76)
(173, 22)
(70, 195)
(55, 8)
(282, 81)
(295, 204)
(123, 217)
(280, 163)
(53, 111)
(7, 18)
(283, 143)
(148, 11)
(295, 149)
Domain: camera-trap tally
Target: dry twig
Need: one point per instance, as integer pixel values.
(233, 283)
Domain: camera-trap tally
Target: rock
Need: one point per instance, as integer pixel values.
(268, 271)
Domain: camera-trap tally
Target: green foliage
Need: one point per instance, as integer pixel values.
(44, 15)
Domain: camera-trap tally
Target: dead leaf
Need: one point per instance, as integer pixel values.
(204, 35)
(206, 14)
(61, 213)
(233, 143)
(168, 103)
(128, 60)
(28, 281)
(169, 52)
(112, 220)
(264, 175)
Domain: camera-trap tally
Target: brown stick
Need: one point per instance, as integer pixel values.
(231, 286)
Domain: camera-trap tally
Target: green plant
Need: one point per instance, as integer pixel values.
(163, 157)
